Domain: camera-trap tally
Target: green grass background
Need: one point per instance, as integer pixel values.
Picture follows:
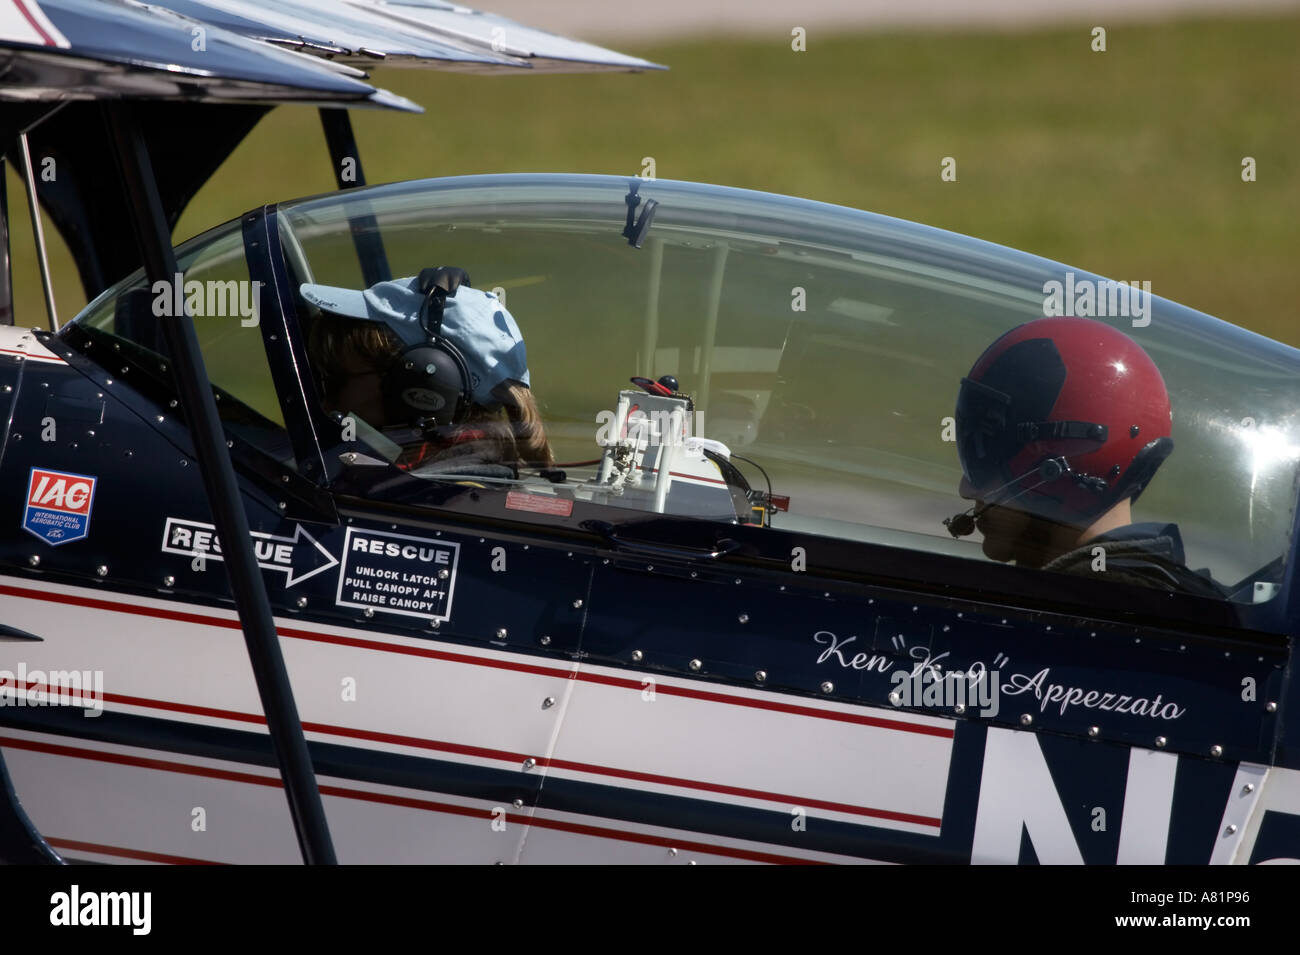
(1126, 163)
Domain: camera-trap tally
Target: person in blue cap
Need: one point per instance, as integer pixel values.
(435, 364)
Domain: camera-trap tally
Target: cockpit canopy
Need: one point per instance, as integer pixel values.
(817, 353)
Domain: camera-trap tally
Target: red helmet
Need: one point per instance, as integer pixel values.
(1067, 416)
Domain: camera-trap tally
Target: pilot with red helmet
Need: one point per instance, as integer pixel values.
(1061, 424)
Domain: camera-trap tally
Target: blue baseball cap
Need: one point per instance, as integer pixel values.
(475, 322)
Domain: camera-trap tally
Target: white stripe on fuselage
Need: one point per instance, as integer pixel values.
(476, 706)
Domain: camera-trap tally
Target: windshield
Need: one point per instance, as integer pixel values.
(122, 330)
(802, 365)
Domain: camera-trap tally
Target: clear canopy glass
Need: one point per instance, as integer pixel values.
(822, 350)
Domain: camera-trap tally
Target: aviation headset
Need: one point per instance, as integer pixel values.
(430, 380)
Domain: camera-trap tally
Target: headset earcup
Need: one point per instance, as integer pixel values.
(426, 382)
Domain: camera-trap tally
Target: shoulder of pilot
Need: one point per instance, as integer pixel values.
(1150, 554)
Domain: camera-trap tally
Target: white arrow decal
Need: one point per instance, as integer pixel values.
(276, 554)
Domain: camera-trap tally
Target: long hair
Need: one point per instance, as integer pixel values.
(527, 432)
(333, 341)
(515, 428)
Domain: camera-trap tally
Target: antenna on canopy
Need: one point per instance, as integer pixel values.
(636, 229)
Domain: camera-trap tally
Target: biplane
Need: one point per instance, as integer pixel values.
(727, 614)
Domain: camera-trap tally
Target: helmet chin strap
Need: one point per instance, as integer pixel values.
(963, 524)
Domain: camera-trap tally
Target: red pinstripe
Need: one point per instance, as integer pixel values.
(482, 752)
(36, 25)
(140, 854)
(603, 832)
(942, 732)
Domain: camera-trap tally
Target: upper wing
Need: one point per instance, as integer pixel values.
(268, 51)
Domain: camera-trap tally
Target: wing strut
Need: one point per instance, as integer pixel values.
(38, 232)
(346, 158)
(6, 268)
(246, 582)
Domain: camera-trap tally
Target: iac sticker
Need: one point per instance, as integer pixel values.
(396, 573)
(58, 505)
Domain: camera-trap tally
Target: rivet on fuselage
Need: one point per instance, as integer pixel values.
(544, 640)
(695, 664)
(301, 601)
(34, 560)
(1216, 750)
(760, 676)
(1094, 730)
(1026, 719)
(502, 633)
(637, 656)
(743, 618)
(102, 570)
(1160, 742)
(168, 580)
(548, 702)
(369, 612)
(828, 687)
(529, 763)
